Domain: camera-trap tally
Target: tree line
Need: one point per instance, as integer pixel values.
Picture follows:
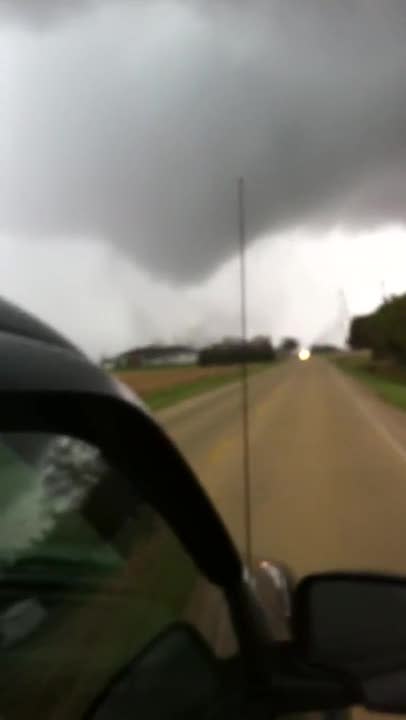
(228, 351)
(383, 331)
(233, 350)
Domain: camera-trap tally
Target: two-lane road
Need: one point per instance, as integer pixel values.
(328, 467)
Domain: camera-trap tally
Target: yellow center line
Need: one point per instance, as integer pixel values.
(221, 448)
(229, 441)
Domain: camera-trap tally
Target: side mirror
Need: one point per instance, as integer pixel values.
(356, 624)
(176, 675)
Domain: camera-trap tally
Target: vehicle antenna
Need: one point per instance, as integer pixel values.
(244, 375)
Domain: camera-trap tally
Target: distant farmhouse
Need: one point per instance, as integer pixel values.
(152, 356)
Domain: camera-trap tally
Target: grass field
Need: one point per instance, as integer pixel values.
(388, 382)
(161, 387)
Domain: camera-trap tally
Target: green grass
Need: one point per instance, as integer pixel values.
(392, 391)
(160, 399)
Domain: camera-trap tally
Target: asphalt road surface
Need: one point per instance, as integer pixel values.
(328, 467)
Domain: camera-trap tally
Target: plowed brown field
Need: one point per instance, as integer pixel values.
(147, 381)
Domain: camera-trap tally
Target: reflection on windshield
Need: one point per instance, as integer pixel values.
(31, 496)
(88, 574)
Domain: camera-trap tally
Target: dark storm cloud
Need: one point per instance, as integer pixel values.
(38, 12)
(134, 122)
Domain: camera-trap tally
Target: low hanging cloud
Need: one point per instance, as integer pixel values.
(40, 12)
(130, 122)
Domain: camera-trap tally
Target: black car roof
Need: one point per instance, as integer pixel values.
(34, 356)
(18, 322)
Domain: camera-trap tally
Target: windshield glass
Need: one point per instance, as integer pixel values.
(88, 575)
(188, 186)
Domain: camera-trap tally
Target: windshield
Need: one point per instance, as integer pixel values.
(129, 131)
(88, 575)
(209, 198)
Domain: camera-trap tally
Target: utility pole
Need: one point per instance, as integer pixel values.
(344, 313)
(244, 375)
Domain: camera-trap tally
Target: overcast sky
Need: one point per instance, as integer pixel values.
(125, 125)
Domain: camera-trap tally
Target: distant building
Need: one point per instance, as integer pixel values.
(181, 357)
(152, 356)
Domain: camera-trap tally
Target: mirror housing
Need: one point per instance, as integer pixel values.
(355, 623)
